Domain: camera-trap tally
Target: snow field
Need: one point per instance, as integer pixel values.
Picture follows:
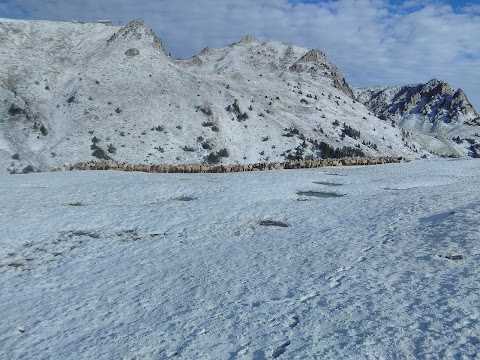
(132, 265)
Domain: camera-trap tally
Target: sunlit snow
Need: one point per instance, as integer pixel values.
(111, 265)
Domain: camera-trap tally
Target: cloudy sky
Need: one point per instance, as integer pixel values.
(373, 42)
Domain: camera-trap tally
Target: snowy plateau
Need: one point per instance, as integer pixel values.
(373, 262)
(357, 262)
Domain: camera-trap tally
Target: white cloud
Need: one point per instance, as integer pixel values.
(473, 9)
(371, 41)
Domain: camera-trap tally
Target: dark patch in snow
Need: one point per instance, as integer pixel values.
(185, 198)
(281, 349)
(326, 183)
(272, 223)
(455, 257)
(319, 194)
(76, 203)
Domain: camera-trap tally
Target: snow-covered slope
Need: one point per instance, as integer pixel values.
(115, 265)
(74, 92)
(429, 110)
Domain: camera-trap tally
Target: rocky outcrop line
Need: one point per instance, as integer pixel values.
(207, 168)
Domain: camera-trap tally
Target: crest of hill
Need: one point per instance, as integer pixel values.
(249, 55)
(137, 30)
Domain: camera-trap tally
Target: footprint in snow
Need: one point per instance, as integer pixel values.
(281, 349)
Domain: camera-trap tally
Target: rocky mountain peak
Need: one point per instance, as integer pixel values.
(316, 64)
(434, 100)
(435, 88)
(461, 103)
(248, 39)
(137, 30)
(314, 56)
(205, 51)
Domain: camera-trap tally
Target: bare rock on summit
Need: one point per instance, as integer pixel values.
(316, 64)
(248, 39)
(137, 30)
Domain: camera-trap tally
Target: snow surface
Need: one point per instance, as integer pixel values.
(131, 265)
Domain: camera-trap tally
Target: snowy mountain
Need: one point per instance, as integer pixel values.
(426, 110)
(73, 92)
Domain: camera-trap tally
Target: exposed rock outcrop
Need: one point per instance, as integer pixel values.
(434, 100)
(136, 30)
(429, 111)
(315, 63)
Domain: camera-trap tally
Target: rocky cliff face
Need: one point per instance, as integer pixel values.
(439, 117)
(434, 100)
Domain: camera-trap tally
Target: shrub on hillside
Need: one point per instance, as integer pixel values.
(111, 149)
(43, 130)
(223, 153)
(28, 169)
(214, 158)
(100, 154)
(206, 145)
(188, 148)
(351, 132)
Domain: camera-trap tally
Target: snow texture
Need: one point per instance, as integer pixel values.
(223, 266)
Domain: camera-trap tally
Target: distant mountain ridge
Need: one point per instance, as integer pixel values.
(435, 100)
(72, 92)
(432, 109)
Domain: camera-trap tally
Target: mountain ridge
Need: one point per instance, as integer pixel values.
(432, 108)
(435, 99)
(90, 91)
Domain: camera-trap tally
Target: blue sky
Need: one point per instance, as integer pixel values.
(373, 42)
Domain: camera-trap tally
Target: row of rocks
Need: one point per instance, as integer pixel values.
(206, 168)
